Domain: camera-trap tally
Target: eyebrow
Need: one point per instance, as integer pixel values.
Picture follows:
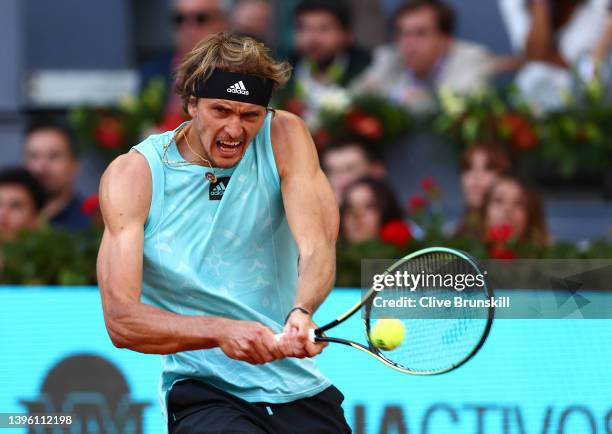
(250, 112)
(228, 108)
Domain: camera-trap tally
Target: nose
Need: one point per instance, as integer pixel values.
(38, 167)
(234, 129)
(508, 210)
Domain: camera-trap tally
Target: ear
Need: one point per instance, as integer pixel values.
(192, 106)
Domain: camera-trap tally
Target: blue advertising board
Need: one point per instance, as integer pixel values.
(531, 377)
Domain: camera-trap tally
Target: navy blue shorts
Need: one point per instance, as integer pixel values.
(197, 408)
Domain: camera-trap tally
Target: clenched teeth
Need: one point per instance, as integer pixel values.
(228, 143)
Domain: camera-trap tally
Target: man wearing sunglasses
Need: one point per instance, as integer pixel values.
(196, 19)
(193, 20)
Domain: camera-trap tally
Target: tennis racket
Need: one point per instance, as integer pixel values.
(437, 340)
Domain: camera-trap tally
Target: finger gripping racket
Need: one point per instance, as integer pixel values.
(438, 340)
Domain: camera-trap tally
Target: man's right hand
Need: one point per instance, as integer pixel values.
(249, 341)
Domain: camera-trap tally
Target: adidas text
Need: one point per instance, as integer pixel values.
(238, 88)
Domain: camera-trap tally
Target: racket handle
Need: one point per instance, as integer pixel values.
(311, 335)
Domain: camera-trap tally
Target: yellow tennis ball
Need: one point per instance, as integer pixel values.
(387, 334)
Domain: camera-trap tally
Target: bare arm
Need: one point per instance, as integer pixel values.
(125, 197)
(312, 214)
(601, 51)
(540, 44)
(311, 208)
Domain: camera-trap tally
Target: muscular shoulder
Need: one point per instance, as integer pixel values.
(125, 190)
(285, 125)
(292, 143)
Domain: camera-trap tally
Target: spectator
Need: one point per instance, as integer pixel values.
(368, 205)
(600, 64)
(347, 161)
(253, 18)
(50, 154)
(426, 57)
(326, 59)
(511, 204)
(554, 37)
(193, 21)
(22, 198)
(481, 166)
(558, 32)
(601, 53)
(368, 23)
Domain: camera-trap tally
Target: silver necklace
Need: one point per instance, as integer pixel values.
(210, 176)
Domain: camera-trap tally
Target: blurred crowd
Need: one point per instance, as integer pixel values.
(43, 190)
(405, 51)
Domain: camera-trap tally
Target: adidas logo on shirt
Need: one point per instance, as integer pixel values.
(217, 189)
(238, 88)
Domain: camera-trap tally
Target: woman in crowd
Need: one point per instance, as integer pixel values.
(515, 208)
(481, 166)
(368, 204)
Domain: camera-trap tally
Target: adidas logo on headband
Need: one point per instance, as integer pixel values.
(246, 88)
(238, 88)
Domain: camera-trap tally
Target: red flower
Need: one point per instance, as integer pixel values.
(295, 106)
(171, 121)
(355, 117)
(512, 122)
(497, 252)
(429, 183)
(395, 232)
(366, 125)
(321, 139)
(416, 203)
(522, 133)
(90, 205)
(109, 133)
(500, 233)
(525, 139)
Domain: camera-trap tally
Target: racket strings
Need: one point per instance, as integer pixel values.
(439, 338)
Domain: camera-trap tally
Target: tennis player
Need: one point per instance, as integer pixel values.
(219, 235)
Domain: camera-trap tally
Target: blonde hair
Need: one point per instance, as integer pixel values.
(231, 53)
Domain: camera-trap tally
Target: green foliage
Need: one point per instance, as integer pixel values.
(50, 257)
(340, 113)
(577, 138)
(349, 256)
(53, 257)
(372, 117)
(114, 131)
(395, 119)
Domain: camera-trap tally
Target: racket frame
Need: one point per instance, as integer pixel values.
(373, 351)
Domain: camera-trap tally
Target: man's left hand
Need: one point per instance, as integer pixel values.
(295, 341)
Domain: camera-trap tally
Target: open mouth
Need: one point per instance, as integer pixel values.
(228, 148)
